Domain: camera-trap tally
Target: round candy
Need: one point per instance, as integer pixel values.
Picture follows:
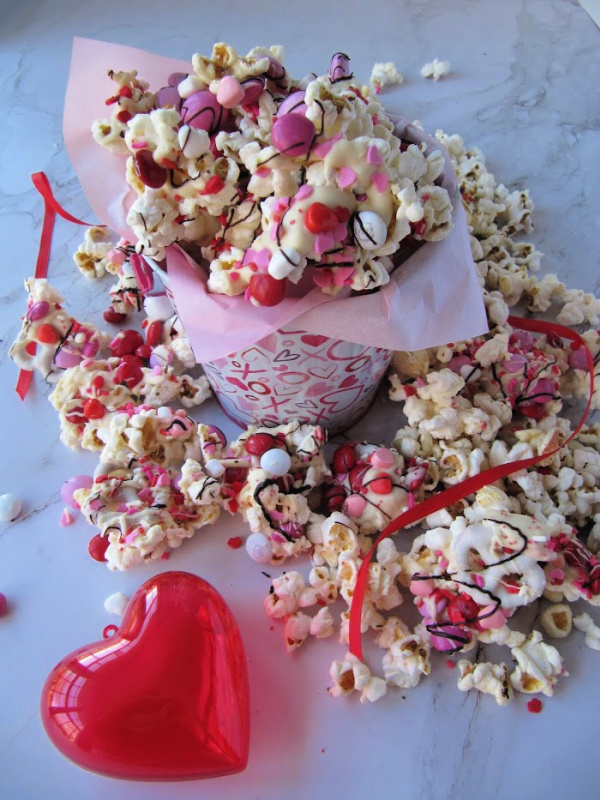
(98, 546)
(114, 317)
(293, 134)
(90, 349)
(344, 458)
(339, 67)
(258, 443)
(126, 343)
(212, 429)
(10, 507)
(230, 92)
(258, 548)
(293, 104)
(578, 360)
(276, 462)
(168, 96)
(266, 290)
(148, 171)
(158, 306)
(355, 505)
(422, 588)
(203, 110)
(65, 358)
(284, 261)
(370, 231)
(494, 620)
(46, 334)
(334, 497)
(383, 458)
(129, 374)
(319, 218)
(38, 310)
(253, 88)
(381, 485)
(70, 486)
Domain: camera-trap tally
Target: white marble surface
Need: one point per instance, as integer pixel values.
(525, 89)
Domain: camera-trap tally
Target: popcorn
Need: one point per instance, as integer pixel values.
(385, 74)
(584, 623)
(486, 677)
(557, 620)
(539, 666)
(406, 660)
(352, 675)
(95, 255)
(435, 69)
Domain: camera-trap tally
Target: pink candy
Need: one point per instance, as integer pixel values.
(66, 358)
(253, 88)
(578, 360)
(355, 504)
(495, 620)
(293, 104)
(293, 134)
(202, 110)
(38, 310)
(70, 486)
(422, 588)
(383, 458)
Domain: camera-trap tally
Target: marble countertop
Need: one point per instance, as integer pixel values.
(524, 88)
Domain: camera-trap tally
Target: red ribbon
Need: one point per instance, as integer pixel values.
(461, 490)
(51, 208)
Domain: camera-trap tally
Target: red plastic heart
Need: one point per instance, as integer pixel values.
(165, 698)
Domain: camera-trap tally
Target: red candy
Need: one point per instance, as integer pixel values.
(46, 334)
(93, 409)
(381, 485)
(129, 374)
(266, 290)
(3, 604)
(154, 333)
(334, 497)
(126, 343)
(97, 547)
(144, 351)
(235, 542)
(114, 317)
(356, 478)
(319, 218)
(259, 443)
(344, 458)
(148, 171)
(235, 475)
(534, 706)
(462, 608)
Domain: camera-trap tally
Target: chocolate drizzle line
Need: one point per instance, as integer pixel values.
(257, 492)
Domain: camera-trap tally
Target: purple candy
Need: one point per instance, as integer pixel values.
(543, 389)
(253, 88)
(38, 310)
(293, 104)
(175, 78)
(201, 110)
(168, 96)
(458, 362)
(66, 358)
(90, 349)
(443, 644)
(339, 67)
(70, 486)
(578, 360)
(276, 71)
(293, 134)
(515, 363)
(218, 433)
(523, 338)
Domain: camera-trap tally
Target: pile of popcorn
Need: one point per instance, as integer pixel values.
(467, 406)
(270, 179)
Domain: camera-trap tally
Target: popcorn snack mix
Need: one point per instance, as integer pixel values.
(271, 179)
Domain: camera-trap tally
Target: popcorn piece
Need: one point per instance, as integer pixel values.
(557, 620)
(584, 623)
(321, 625)
(538, 666)
(435, 69)
(96, 255)
(406, 660)
(384, 75)
(353, 675)
(297, 628)
(288, 594)
(50, 340)
(486, 677)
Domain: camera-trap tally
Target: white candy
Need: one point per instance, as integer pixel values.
(190, 85)
(116, 604)
(10, 507)
(164, 412)
(370, 231)
(276, 462)
(285, 261)
(259, 548)
(158, 306)
(214, 468)
(193, 141)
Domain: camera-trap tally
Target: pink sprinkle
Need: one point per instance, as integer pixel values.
(157, 369)
(375, 119)
(66, 518)
(378, 90)
(373, 155)
(96, 505)
(421, 382)
(478, 580)
(131, 536)
(122, 508)
(139, 145)
(323, 242)
(304, 191)
(380, 181)
(273, 232)
(346, 177)
(262, 172)
(450, 664)
(411, 500)
(234, 276)
(166, 556)
(557, 575)
(323, 148)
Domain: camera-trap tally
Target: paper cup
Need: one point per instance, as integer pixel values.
(295, 375)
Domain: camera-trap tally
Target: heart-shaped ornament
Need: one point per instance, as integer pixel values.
(165, 698)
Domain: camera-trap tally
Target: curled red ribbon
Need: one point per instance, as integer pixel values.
(51, 208)
(461, 490)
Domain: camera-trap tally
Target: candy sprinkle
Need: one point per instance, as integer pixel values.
(235, 542)
(534, 706)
